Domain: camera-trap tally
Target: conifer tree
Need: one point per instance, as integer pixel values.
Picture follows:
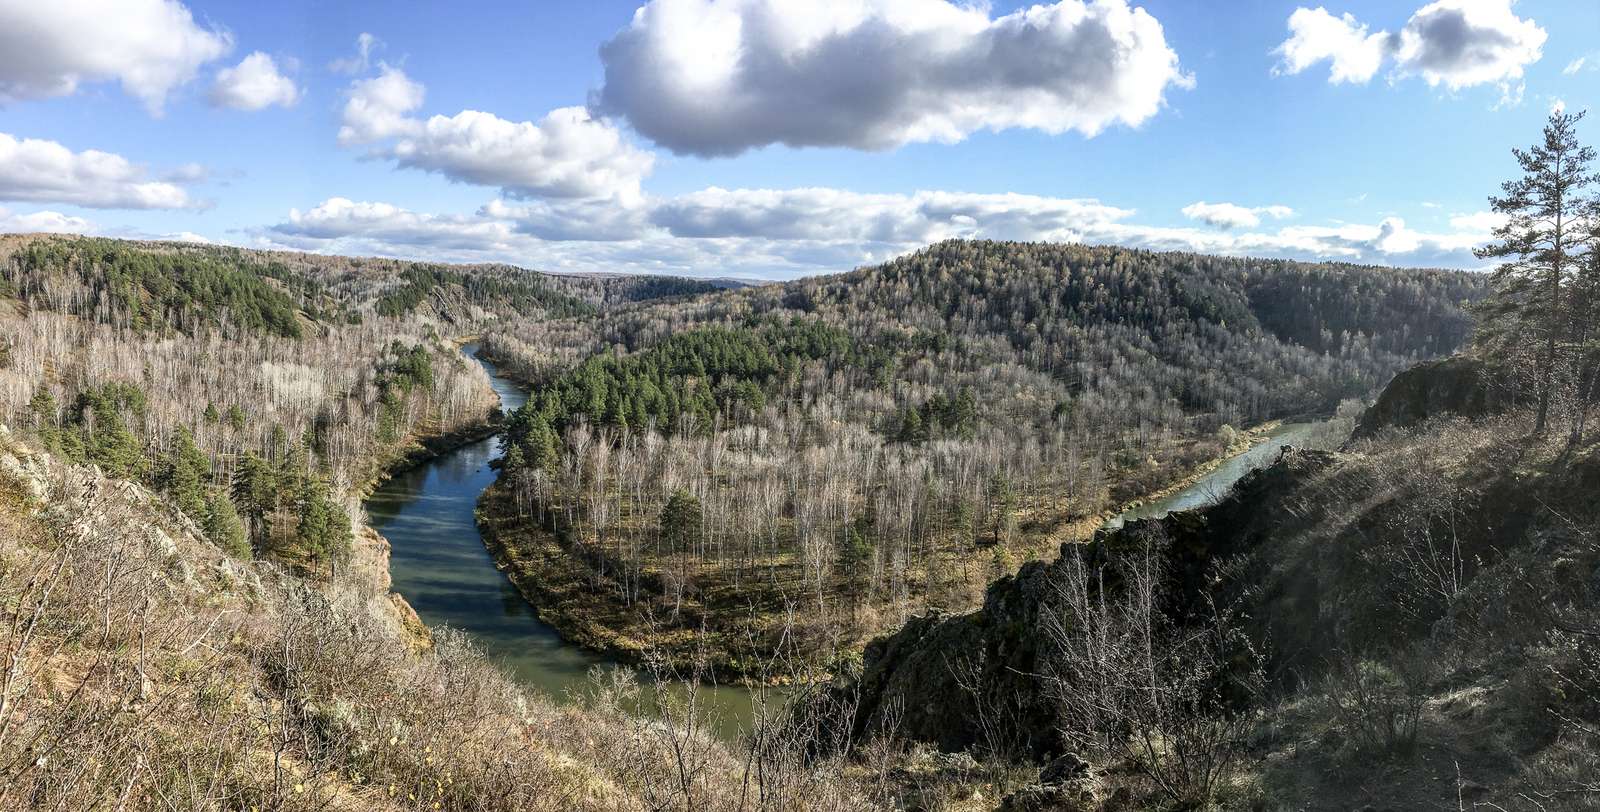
(185, 472)
(680, 520)
(911, 427)
(1543, 242)
(255, 491)
(225, 529)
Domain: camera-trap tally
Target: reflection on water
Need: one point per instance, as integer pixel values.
(1212, 486)
(441, 567)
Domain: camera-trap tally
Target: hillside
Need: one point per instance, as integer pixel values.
(146, 669)
(265, 390)
(1408, 622)
(863, 447)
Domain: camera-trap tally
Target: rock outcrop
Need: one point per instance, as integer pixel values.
(1456, 385)
(941, 671)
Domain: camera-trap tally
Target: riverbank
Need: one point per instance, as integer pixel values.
(727, 630)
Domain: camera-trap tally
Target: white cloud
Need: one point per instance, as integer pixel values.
(805, 231)
(365, 45)
(567, 155)
(375, 109)
(1575, 65)
(150, 46)
(1457, 43)
(1483, 221)
(253, 84)
(47, 221)
(1318, 35)
(1228, 216)
(718, 77)
(1462, 43)
(41, 171)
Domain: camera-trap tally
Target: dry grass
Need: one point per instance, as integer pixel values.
(146, 670)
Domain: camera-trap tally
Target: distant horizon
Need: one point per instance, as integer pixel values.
(747, 280)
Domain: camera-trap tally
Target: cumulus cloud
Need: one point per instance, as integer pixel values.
(253, 84)
(1226, 215)
(1318, 35)
(150, 46)
(39, 171)
(718, 77)
(376, 108)
(1457, 43)
(782, 233)
(47, 221)
(567, 155)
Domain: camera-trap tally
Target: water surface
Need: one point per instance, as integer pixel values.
(440, 565)
(1212, 486)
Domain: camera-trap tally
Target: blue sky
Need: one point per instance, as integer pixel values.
(781, 138)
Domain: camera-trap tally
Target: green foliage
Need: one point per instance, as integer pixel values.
(1002, 509)
(1541, 310)
(412, 368)
(101, 437)
(225, 529)
(680, 521)
(184, 472)
(702, 373)
(855, 559)
(151, 291)
(421, 280)
(211, 414)
(236, 417)
(254, 488)
(911, 427)
(43, 404)
(323, 531)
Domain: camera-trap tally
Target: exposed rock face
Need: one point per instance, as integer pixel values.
(939, 669)
(1448, 386)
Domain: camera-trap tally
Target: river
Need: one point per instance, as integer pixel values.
(441, 567)
(1208, 488)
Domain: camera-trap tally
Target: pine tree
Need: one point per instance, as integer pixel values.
(110, 444)
(185, 472)
(911, 427)
(225, 529)
(1543, 241)
(236, 417)
(211, 415)
(254, 489)
(314, 530)
(43, 405)
(855, 558)
(680, 520)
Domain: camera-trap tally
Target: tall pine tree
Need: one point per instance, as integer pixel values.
(1542, 242)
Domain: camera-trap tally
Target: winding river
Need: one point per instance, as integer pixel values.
(440, 565)
(439, 562)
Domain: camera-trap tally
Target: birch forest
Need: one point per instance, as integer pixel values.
(850, 450)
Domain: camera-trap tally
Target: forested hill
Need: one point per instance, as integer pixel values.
(860, 437)
(183, 285)
(1242, 340)
(1003, 288)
